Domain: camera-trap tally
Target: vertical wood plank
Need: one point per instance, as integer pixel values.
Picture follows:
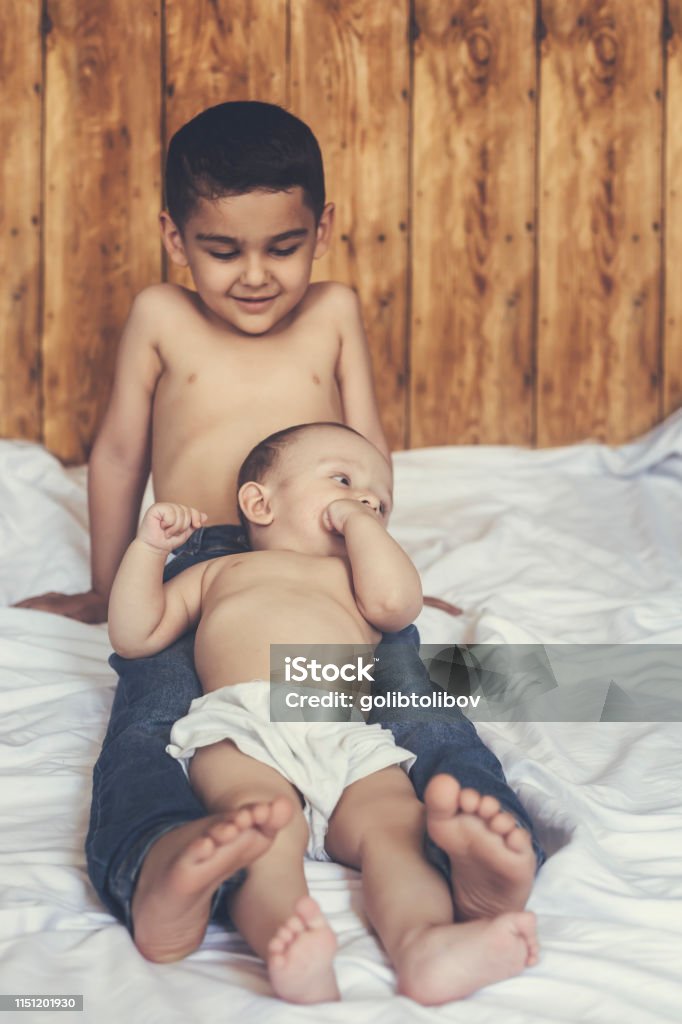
(349, 66)
(101, 202)
(600, 220)
(473, 216)
(218, 51)
(20, 128)
(672, 334)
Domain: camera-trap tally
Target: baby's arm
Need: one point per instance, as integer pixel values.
(354, 372)
(144, 614)
(387, 586)
(119, 463)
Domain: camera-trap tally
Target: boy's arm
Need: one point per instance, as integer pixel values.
(145, 616)
(119, 463)
(354, 372)
(386, 584)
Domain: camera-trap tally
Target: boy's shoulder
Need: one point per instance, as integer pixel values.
(156, 299)
(332, 296)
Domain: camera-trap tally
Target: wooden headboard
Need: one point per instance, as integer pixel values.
(508, 182)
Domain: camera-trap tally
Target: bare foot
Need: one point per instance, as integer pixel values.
(301, 955)
(491, 857)
(447, 962)
(172, 900)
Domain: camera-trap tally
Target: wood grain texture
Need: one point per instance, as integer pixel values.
(102, 172)
(20, 127)
(672, 333)
(509, 202)
(473, 222)
(217, 51)
(349, 67)
(600, 220)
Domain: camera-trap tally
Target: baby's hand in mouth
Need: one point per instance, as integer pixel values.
(338, 512)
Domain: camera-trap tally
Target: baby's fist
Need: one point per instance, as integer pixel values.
(337, 513)
(166, 526)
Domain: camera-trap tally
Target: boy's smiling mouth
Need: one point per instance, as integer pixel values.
(254, 303)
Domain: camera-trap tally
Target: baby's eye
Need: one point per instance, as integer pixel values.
(224, 255)
(285, 252)
(382, 509)
(342, 478)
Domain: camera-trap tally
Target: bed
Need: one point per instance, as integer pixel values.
(581, 544)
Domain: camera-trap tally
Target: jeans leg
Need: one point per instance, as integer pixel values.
(443, 740)
(139, 791)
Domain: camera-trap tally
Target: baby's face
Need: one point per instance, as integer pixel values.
(250, 255)
(323, 465)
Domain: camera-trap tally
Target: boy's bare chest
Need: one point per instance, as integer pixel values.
(202, 373)
(214, 401)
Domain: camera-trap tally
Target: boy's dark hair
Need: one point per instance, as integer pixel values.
(264, 456)
(234, 148)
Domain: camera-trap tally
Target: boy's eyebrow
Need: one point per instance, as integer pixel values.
(229, 240)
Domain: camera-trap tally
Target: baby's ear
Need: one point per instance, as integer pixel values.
(254, 501)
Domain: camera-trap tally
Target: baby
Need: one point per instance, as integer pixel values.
(323, 570)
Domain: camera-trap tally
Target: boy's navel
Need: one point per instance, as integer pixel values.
(192, 377)
(316, 379)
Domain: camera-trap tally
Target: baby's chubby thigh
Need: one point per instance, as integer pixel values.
(379, 809)
(226, 779)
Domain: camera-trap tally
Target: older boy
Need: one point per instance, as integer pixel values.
(200, 378)
(322, 570)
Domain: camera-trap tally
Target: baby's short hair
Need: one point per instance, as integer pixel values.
(265, 455)
(239, 147)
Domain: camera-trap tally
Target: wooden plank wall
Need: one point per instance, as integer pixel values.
(508, 182)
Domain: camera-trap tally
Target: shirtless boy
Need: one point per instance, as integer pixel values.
(322, 570)
(201, 377)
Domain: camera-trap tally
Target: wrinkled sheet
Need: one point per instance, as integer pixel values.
(579, 544)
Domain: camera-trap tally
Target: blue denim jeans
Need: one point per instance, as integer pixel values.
(140, 792)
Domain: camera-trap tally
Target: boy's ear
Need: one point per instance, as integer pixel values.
(324, 231)
(172, 240)
(254, 502)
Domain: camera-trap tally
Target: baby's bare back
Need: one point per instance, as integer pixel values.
(220, 393)
(260, 598)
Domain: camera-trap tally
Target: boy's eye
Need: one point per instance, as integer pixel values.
(224, 255)
(382, 509)
(342, 478)
(285, 252)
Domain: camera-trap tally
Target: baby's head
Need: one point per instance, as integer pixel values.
(287, 482)
(246, 210)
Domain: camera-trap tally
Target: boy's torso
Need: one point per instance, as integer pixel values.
(220, 393)
(261, 598)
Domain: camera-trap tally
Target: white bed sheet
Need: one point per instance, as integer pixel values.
(579, 544)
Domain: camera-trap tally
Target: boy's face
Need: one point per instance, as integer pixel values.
(321, 466)
(250, 255)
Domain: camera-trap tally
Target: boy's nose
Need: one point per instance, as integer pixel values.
(254, 274)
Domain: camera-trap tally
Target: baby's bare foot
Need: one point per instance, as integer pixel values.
(172, 900)
(491, 857)
(300, 957)
(447, 962)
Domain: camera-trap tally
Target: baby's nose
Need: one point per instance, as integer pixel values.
(371, 500)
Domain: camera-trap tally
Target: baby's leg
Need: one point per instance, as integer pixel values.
(175, 892)
(378, 826)
(272, 909)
